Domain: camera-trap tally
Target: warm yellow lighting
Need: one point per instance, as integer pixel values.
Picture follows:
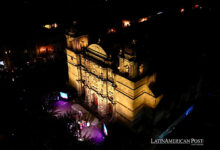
(48, 26)
(74, 22)
(141, 69)
(126, 23)
(143, 19)
(182, 10)
(112, 30)
(92, 80)
(46, 49)
(55, 25)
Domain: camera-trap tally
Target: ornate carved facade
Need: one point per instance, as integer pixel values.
(111, 91)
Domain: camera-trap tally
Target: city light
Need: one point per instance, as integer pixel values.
(182, 10)
(50, 26)
(45, 49)
(189, 110)
(55, 25)
(47, 26)
(126, 23)
(105, 130)
(2, 63)
(112, 30)
(63, 95)
(196, 6)
(143, 19)
(159, 13)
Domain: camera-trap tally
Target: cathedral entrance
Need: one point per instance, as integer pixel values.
(95, 102)
(110, 110)
(83, 91)
(84, 94)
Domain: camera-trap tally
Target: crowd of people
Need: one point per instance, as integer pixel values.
(80, 123)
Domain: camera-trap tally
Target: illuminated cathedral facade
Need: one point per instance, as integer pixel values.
(110, 91)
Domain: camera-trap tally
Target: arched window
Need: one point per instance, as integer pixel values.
(126, 69)
(141, 69)
(95, 99)
(110, 109)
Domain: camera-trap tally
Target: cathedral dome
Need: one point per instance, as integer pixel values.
(97, 50)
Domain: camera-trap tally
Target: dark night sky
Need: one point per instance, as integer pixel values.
(43, 11)
(20, 21)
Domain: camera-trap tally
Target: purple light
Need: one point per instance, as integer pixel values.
(61, 108)
(60, 103)
(93, 134)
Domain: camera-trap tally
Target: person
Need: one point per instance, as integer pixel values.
(80, 114)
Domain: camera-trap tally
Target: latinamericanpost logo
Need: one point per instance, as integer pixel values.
(192, 141)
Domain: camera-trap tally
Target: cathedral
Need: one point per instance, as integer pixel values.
(110, 79)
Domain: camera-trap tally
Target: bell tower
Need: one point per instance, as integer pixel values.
(127, 63)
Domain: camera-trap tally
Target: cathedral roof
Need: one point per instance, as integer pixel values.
(98, 50)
